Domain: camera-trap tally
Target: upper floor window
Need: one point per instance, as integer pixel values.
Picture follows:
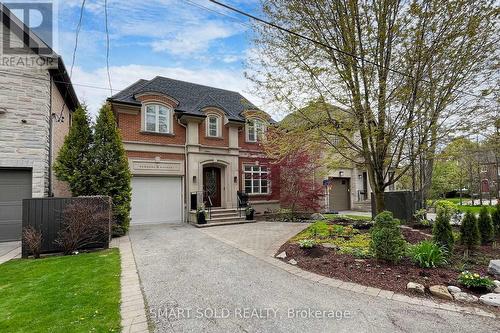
(255, 128)
(213, 126)
(158, 118)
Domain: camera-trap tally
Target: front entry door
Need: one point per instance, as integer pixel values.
(211, 186)
(340, 194)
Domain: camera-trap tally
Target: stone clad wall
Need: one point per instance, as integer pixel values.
(24, 123)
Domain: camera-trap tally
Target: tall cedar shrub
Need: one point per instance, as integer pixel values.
(485, 226)
(71, 163)
(469, 232)
(387, 243)
(109, 170)
(495, 219)
(442, 232)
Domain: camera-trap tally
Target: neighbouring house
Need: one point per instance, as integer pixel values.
(346, 183)
(35, 115)
(188, 145)
(490, 174)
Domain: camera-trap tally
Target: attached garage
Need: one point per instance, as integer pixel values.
(156, 200)
(15, 185)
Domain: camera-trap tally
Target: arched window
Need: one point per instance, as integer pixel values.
(254, 130)
(213, 126)
(158, 118)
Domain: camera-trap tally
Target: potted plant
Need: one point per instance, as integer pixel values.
(249, 213)
(201, 215)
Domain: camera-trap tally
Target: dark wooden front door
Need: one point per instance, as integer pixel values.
(211, 186)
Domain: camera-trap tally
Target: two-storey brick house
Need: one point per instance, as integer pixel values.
(188, 143)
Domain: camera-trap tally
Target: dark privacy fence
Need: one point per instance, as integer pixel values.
(47, 216)
(401, 204)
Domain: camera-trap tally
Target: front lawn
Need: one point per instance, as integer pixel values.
(469, 208)
(78, 293)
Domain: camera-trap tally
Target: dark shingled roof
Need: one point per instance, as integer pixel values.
(192, 97)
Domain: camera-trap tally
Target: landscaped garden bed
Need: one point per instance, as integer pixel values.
(334, 248)
(78, 293)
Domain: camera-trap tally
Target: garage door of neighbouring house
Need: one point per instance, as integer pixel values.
(156, 200)
(15, 185)
(340, 194)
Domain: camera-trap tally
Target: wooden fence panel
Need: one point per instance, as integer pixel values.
(47, 216)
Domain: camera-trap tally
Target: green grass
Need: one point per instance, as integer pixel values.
(350, 216)
(61, 294)
(469, 208)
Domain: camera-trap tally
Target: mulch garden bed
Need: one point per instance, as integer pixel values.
(371, 272)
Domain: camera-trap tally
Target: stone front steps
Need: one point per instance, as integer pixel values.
(225, 217)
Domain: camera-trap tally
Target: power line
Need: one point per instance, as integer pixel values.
(60, 118)
(260, 20)
(239, 21)
(107, 45)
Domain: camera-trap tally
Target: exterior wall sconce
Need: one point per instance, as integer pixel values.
(235, 179)
(360, 176)
(194, 179)
(341, 173)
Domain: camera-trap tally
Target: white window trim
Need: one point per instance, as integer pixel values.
(252, 179)
(218, 129)
(256, 132)
(170, 114)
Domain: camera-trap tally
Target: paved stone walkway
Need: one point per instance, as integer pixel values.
(9, 250)
(132, 308)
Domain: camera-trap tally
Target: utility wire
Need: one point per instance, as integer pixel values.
(275, 26)
(107, 45)
(237, 20)
(60, 118)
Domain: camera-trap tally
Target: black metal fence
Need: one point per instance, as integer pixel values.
(402, 204)
(46, 215)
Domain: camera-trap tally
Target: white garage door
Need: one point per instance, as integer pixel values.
(156, 200)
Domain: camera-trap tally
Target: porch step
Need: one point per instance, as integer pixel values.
(215, 224)
(214, 219)
(226, 214)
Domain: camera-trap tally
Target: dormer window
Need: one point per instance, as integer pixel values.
(213, 126)
(255, 128)
(158, 119)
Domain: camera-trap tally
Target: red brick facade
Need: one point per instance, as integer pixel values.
(130, 126)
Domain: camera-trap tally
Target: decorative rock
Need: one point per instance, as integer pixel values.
(317, 216)
(330, 246)
(453, 289)
(359, 260)
(282, 255)
(497, 290)
(292, 262)
(494, 267)
(490, 299)
(497, 283)
(415, 287)
(464, 297)
(440, 292)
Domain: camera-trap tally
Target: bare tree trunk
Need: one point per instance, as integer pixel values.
(379, 201)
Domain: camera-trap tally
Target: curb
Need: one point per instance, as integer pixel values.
(132, 307)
